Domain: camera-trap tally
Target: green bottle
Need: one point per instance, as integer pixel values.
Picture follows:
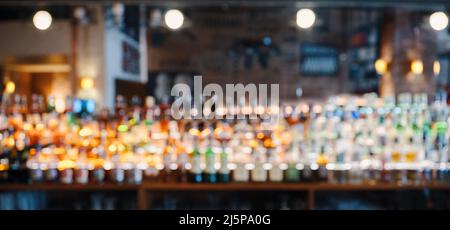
(224, 172)
(292, 172)
(195, 173)
(210, 170)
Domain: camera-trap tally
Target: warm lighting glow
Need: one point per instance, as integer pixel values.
(84, 132)
(10, 87)
(87, 83)
(317, 109)
(417, 67)
(60, 105)
(112, 148)
(42, 20)
(305, 108)
(66, 164)
(288, 110)
(305, 18)
(439, 20)
(194, 132)
(381, 66)
(174, 19)
(205, 132)
(120, 147)
(436, 67)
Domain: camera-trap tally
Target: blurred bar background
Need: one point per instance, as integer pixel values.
(86, 91)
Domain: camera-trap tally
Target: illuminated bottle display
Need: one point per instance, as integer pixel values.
(342, 140)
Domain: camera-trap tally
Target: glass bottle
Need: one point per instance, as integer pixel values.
(322, 161)
(195, 172)
(258, 173)
(223, 134)
(292, 171)
(210, 161)
(241, 172)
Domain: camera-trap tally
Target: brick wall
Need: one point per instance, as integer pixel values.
(202, 47)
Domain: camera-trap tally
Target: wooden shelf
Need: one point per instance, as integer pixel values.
(287, 186)
(226, 187)
(267, 186)
(68, 187)
(379, 186)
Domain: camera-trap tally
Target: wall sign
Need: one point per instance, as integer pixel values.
(318, 60)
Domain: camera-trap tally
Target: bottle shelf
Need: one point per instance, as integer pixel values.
(68, 187)
(267, 186)
(251, 186)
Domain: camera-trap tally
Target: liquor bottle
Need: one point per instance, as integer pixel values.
(241, 171)
(51, 166)
(16, 119)
(151, 111)
(322, 161)
(292, 171)
(81, 169)
(412, 149)
(23, 106)
(307, 171)
(135, 112)
(6, 147)
(210, 160)
(276, 167)
(223, 134)
(51, 106)
(4, 168)
(35, 166)
(18, 171)
(164, 118)
(35, 103)
(224, 172)
(166, 172)
(97, 173)
(384, 147)
(182, 161)
(442, 173)
(121, 108)
(396, 155)
(35, 115)
(41, 104)
(134, 170)
(66, 171)
(117, 172)
(154, 165)
(195, 172)
(259, 172)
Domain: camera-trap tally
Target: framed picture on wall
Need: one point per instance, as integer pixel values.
(130, 58)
